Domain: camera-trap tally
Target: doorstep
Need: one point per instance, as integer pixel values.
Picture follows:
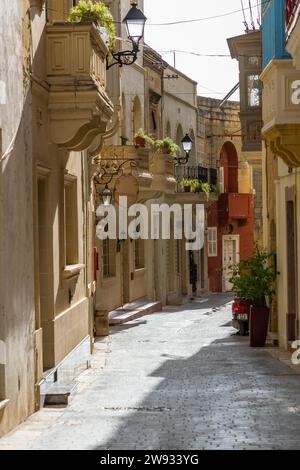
(133, 311)
(58, 393)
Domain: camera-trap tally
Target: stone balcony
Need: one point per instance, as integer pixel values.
(281, 110)
(76, 72)
(153, 170)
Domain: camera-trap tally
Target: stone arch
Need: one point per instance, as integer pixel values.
(168, 129)
(179, 134)
(230, 164)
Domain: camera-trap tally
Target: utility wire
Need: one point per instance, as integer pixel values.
(222, 15)
(245, 20)
(171, 23)
(251, 15)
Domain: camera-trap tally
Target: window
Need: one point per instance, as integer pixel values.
(212, 237)
(71, 221)
(254, 90)
(108, 258)
(139, 254)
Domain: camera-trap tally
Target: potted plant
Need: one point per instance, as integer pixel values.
(254, 279)
(166, 146)
(140, 139)
(195, 186)
(186, 185)
(87, 11)
(205, 187)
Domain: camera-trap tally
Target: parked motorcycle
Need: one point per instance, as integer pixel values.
(241, 315)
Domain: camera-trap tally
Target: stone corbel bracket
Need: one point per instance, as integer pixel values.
(284, 141)
(75, 127)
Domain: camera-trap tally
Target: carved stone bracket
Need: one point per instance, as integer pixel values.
(284, 141)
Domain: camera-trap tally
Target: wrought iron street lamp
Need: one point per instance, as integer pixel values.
(135, 24)
(187, 145)
(106, 196)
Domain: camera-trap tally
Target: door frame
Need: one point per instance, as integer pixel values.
(229, 238)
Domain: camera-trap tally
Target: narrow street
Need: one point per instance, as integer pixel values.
(179, 379)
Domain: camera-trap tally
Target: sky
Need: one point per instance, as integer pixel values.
(216, 76)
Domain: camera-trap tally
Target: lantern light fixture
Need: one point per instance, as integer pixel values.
(187, 145)
(134, 21)
(106, 196)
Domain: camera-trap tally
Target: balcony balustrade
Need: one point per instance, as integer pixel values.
(234, 206)
(281, 116)
(76, 72)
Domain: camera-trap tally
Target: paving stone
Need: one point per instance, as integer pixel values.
(179, 379)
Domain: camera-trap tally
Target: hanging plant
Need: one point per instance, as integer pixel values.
(87, 11)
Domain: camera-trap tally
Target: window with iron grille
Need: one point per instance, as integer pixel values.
(108, 258)
(212, 238)
(139, 254)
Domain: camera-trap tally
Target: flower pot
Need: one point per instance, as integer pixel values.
(259, 321)
(140, 141)
(165, 150)
(187, 189)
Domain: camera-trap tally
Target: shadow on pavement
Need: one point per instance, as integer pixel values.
(227, 396)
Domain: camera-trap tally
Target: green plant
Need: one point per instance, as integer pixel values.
(89, 11)
(185, 183)
(195, 186)
(215, 188)
(254, 278)
(148, 138)
(205, 187)
(168, 145)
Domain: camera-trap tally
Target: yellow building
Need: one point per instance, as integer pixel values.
(281, 160)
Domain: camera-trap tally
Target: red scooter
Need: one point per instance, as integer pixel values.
(241, 315)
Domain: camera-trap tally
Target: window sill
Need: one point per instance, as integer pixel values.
(139, 272)
(72, 270)
(3, 404)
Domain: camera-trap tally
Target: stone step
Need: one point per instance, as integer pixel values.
(58, 394)
(125, 314)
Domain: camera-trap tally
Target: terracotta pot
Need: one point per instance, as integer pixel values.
(140, 141)
(259, 321)
(165, 150)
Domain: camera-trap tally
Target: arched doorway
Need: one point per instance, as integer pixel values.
(229, 168)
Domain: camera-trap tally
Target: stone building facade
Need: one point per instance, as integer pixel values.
(230, 225)
(52, 116)
(281, 160)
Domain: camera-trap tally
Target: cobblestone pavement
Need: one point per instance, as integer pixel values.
(180, 379)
